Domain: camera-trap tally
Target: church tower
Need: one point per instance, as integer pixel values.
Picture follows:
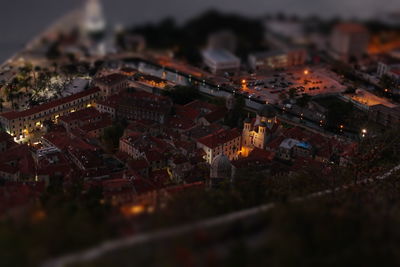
(261, 136)
(267, 115)
(246, 134)
(94, 24)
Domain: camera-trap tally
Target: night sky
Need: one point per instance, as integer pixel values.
(20, 20)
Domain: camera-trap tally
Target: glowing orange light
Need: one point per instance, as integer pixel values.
(38, 215)
(306, 72)
(133, 210)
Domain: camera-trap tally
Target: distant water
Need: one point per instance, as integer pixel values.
(20, 20)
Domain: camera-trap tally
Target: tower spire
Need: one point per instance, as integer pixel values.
(93, 21)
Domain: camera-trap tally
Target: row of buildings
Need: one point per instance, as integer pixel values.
(347, 42)
(164, 144)
(221, 61)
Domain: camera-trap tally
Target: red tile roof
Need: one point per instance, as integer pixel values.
(395, 71)
(138, 164)
(215, 115)
(81, 115)
(220, 137)
(14, 194)
(257, 157)
(63, 141)
(180, 123)
(201, 106)
(153, 155)
(187, 112)
(139, 100)
(6, 168)
(21, 155)
(52, 104)
(111, 79)
(104, 123)
(159, 177)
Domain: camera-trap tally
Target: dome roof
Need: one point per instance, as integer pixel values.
(221, 167)
(267, 111)
(247, 120)
(263, 124)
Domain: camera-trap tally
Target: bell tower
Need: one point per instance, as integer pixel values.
(93, 20)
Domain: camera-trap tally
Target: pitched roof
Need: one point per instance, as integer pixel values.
(187, 112)
(11, 115)
(219, 138)
(105, 122)
(138, 164)
(201, 106)
(111, 79)
(81, 115)
(215, 115)
(6, 168)
(180, 123)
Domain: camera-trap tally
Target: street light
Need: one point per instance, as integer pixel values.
(363, 132)
(306, 72)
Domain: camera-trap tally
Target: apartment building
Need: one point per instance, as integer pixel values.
(137, 105)
(20, 123)
(227, 142)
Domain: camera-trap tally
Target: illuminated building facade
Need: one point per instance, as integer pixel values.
(277, 59)
(20, 123)
(257, 132)
(227, 142)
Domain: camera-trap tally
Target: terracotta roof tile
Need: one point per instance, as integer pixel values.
(220, 137)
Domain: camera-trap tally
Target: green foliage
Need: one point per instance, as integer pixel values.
(235, 116)
(54, 51)
(186, 40)
(339, 112)
(112, 135)
(182, 94)
(303, 100)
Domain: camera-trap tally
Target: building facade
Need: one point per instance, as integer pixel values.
(111, 84)
(277, 59)
(137, 105)
(220, 61)
(20, 123)
(349, 40)
(227, 142)
(257, 132)
(386, 116)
